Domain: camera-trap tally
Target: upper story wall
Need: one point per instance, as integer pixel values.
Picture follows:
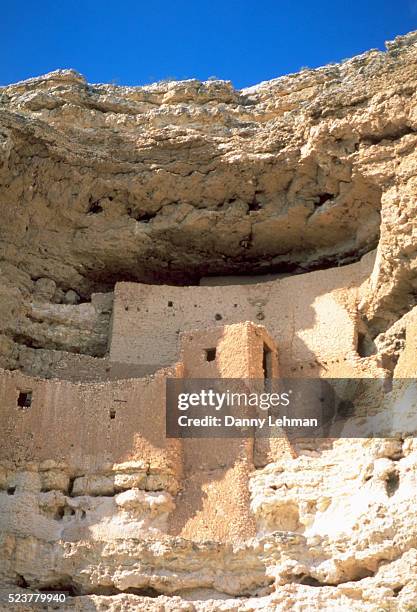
(310, 316)
(231, 351)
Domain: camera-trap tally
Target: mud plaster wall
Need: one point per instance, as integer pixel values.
(239, 352)
(93, 425)
(86, 426)
(309, 316)
(83, 368)
(215, 501)
(94, 428)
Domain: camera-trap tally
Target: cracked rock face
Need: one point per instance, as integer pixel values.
(173, 181)
(166, 184)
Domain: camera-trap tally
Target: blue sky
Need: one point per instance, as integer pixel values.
(135, 42)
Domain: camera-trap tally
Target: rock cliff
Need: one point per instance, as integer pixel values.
(166, 184)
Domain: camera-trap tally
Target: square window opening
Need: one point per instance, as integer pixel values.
(24, 399)
(210, 354)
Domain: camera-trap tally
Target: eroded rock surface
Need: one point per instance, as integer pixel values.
(173, 181)
(166, 184)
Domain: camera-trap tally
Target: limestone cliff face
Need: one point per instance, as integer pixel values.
(174, 181)
(166, 184)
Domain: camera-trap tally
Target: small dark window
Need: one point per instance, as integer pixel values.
(25, 399)
(218, 317)
(210, 354)
(94, 208)
(112, 414)
(11, 490)
(170, 304)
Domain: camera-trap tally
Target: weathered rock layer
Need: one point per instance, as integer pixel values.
(169, 183)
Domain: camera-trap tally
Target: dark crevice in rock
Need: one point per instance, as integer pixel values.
(21, 582)
(72, 590)
(313, 582)
(141, 216)
(94, 207)
(255, 204)
(59, 514)
(26, 341)
(145, 592)
(393, 135)
(63, 511)
(104, 280)
(392, 483)
(308, 580)
(66, 587)
(365, 345)
(322, 199)
(100, 494)
(71, 485)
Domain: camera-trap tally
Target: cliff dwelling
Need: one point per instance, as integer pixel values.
(188, 230)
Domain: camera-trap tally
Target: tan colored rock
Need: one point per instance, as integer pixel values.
(188, 183)
(54, 480)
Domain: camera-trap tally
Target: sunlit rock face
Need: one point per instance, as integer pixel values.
(174, 183)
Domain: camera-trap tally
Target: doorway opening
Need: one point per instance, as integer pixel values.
(267, 362)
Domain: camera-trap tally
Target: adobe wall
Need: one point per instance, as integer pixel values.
(310, 316)
(239, 352)
(91, 425)
(87, 427)
(99, 438)
(215, 501)
(46, 363)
